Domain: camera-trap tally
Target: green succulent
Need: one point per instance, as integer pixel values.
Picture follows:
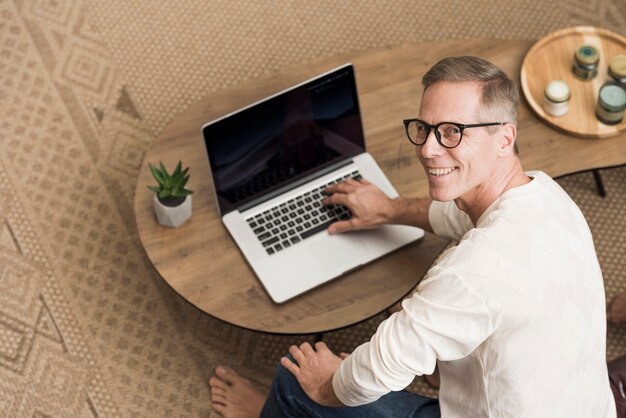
(170, 186)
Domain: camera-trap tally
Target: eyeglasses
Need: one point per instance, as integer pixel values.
(448, 134)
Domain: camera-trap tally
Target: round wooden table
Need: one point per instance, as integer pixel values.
(201, 262)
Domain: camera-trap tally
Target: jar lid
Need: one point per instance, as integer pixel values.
(612, 97)
(557, 91)
(587, 54)
(618, 65)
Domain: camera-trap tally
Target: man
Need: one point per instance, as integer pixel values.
(513, 315)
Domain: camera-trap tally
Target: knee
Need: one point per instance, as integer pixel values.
(286, 395)
(285, 383)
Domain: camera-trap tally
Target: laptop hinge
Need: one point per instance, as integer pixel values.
(294, 185)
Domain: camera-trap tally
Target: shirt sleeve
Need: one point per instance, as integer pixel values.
(448, 221)
(445, 320)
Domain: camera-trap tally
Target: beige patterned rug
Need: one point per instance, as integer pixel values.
(87, 328)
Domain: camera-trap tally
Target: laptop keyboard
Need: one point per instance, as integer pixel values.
(291, 222)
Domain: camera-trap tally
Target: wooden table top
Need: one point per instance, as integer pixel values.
(201, 262)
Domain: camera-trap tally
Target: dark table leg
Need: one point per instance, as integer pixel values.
(599, 184)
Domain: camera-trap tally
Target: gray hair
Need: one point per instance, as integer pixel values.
(500, 97)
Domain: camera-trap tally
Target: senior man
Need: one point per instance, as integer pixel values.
(513, 315)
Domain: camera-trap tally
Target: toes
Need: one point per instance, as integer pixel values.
(227, 374)
(218, 398)
(216, 382)
(219, 391)
(219, 408)
(233, 396)
(230, 377)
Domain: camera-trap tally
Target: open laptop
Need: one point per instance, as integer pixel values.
(271, 162)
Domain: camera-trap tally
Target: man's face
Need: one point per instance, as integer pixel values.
(466, 171)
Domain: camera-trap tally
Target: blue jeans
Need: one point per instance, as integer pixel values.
(288, 400)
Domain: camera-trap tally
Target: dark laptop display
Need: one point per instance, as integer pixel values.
(284, 138)
(270, 162)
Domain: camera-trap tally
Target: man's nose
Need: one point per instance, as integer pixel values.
(431, 147)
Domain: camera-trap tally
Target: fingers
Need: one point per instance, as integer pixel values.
(296, 353)
(321, 346)
(300, 353)
(291, 366)
(306, 348)
(346, 186)
(336, 199)
(342, 226)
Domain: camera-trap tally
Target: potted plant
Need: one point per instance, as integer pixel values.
(172, 201)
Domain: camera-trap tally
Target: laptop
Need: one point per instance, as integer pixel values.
(271, 162)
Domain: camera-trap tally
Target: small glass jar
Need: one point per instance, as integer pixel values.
(586, 59)
(556, 97)
(617, 69)
(611, 103)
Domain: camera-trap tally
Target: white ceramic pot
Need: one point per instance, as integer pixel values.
(173, 216)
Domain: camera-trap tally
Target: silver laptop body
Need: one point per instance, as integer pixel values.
(270, 163)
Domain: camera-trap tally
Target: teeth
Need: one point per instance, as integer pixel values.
(440, 171)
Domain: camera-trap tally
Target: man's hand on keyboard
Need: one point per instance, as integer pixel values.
(370, 207)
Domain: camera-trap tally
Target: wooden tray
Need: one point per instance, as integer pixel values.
(551, 58)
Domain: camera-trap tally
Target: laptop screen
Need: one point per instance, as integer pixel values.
(284, 137)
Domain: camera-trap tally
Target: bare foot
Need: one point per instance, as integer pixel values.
(616, 312)
(233, 396)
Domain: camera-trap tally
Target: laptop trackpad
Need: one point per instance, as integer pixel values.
(340, 253)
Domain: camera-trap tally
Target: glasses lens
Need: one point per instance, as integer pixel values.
(450, 135)
(417, 132)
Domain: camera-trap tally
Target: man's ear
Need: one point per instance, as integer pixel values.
(507, 139)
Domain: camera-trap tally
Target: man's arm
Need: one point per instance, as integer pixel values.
(372, 208)
(446, 320)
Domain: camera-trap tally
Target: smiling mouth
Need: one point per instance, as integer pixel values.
(440, 171)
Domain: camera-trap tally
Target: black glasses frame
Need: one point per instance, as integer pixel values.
(429, 127)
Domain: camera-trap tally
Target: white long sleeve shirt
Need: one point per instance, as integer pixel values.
(514, 314)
